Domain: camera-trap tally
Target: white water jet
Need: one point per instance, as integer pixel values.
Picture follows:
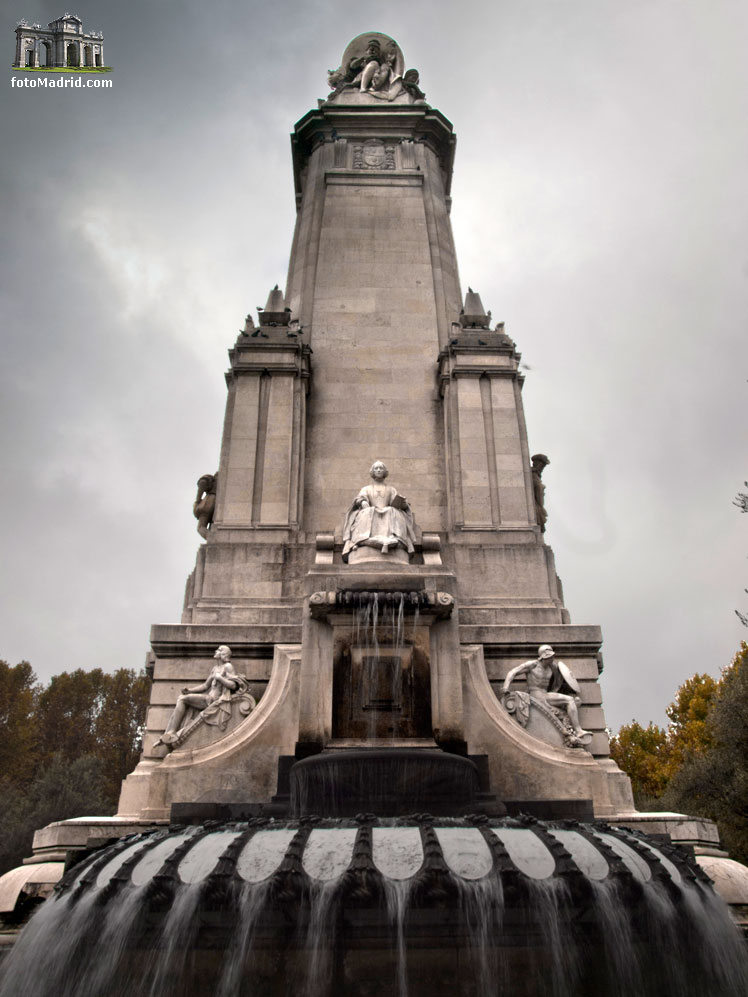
(397, 896)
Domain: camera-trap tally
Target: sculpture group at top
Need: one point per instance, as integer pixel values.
(374, 69)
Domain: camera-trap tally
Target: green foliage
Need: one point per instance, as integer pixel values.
(17, 736)
(94, 713)
(64, 747)
(714, 783)
(67, 711)
(699, 764)
(651, 755)
(690, 732)
(645, 755)
(61, 790)
(119, 725)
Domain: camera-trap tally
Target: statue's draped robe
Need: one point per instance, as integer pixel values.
(379, 523)
(218, 711)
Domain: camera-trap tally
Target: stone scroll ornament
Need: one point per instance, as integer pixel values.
(552, 691)
(205, 503)
(379, 517)
(373, 64)
(213, 702)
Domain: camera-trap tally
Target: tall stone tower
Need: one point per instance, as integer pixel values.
(373, 354)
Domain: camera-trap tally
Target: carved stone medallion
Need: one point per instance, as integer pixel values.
(373, 155)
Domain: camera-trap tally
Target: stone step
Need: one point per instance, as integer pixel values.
(379, 743)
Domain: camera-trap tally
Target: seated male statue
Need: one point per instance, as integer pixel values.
(551, 683)
(212, 697)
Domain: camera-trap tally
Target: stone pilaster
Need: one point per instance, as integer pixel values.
(490, 486)
(263, 442)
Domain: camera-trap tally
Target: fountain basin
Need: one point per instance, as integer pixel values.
(426, 907)
(388, 781)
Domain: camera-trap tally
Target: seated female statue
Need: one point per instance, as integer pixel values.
(378, 517)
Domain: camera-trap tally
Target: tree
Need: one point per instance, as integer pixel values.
(645, 755)
(652, 755)
(92, 713)
(118, 727)
(714, 783)
(63, 789)
(690, 732)
(66, 714)
(18, 692)
(64, 748)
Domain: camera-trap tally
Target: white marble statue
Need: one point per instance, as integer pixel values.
(375, 66)
(378, 517)
(551, 687)
(213, 698)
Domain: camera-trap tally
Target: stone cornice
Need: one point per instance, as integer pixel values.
(276, 356)
(393, 121)
(493, 357)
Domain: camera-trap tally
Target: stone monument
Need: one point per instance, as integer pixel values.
(389, 656)
(63, 43)
(407, 371)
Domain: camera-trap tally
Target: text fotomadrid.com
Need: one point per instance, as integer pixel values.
(59, 81)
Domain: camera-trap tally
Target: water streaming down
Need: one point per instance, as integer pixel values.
(616, 939)
(177, 937)
(557, 973)
(481, 910)
(378, 623)
(100, 908)
(397, 895)
(252, 901)
(413, 908)
(321, 939)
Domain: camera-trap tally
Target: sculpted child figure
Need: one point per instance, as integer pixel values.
(378, 517)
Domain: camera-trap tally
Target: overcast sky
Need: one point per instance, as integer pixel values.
(600, 208)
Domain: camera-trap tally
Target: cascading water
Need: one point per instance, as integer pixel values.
(378, 620)
(408, 907)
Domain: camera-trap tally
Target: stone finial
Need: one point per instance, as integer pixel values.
(275, 311)
(473, 314)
